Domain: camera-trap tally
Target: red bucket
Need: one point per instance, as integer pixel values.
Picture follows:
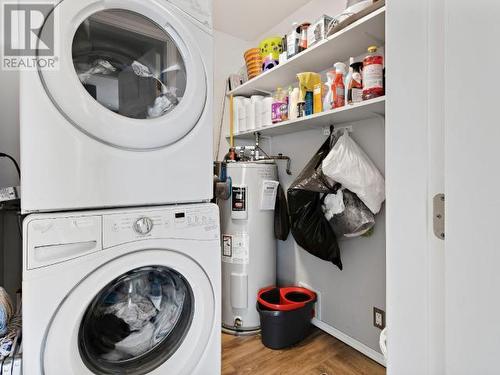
(285, 299)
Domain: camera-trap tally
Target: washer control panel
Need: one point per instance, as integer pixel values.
(183, 222)
(143, 226)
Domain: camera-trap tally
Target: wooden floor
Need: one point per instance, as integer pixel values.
(319, 354)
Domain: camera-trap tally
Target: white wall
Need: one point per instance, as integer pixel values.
(348, 296)
(472, 328)
(228, 60)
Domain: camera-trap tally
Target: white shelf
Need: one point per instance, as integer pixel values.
(350, 113)
(351, 41)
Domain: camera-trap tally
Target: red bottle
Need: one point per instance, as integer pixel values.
(373, 74)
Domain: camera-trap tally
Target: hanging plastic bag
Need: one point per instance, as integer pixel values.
(333, 204)
(348, 165)
(309, 226)
(354, 220)
(281, 218)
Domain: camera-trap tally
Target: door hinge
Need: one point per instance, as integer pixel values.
(438, 216)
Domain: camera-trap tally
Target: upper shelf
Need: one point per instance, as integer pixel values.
(351, 41)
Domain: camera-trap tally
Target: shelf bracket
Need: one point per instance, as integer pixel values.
(349, 128)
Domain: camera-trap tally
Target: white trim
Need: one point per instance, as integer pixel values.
(360, 347)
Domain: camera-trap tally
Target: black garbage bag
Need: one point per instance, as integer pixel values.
(309, 227)
(281, 218)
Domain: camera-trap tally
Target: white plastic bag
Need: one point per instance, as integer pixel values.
(333, 204)
(348, 165)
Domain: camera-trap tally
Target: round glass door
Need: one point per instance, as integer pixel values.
(131, 75)
(136, 322)
(129, 64)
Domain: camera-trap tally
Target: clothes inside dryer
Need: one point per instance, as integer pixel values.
(129, 64)
(137, 321)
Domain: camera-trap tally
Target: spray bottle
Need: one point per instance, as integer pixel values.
(328, 101)
(338, 85)
(348, 79)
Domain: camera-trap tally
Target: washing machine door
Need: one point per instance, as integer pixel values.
(153, 318)
(130, 72)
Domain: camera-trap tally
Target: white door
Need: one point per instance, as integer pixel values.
(472, 177)
(130, 72)
(148, 312)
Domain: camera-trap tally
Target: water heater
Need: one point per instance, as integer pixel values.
(248, 242)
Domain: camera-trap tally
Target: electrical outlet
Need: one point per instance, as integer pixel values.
(317, 305)
(378, 318)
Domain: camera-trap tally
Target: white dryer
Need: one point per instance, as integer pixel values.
(122, 292)
(126, 117)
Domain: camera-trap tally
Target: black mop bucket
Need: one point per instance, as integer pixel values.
(285, 315)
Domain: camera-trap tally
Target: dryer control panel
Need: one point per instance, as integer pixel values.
(184, 222)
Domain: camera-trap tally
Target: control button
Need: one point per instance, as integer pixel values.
(143, 226)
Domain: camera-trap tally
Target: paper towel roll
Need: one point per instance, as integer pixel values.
(258, 113)
(267, 105)
(242, 120)
(250, 111)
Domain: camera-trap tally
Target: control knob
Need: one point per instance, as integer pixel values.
(143, 226)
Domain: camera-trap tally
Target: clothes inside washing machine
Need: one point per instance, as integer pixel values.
(136, 322)
(129, 64)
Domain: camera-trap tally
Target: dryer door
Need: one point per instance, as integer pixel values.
(153, 318)
(130, 71)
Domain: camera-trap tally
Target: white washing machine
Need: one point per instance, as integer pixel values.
(126, 117)
(132, 291)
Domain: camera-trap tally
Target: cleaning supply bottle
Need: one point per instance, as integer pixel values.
(355, 90)
(293, 106)
(348, 79)
(328, 100)
(373, 74)
(338, 85)
(303, 36)
(307, 81)
(282, 96)
(280, 106)
(318, 98)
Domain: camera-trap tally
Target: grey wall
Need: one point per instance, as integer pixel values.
(348, 296)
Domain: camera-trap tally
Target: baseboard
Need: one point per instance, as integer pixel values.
(360, 347)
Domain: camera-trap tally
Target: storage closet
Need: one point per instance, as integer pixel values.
(347, 298)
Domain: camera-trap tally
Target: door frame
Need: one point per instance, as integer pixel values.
(414, 174)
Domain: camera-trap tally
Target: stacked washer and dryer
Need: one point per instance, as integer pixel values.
(121, 270)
